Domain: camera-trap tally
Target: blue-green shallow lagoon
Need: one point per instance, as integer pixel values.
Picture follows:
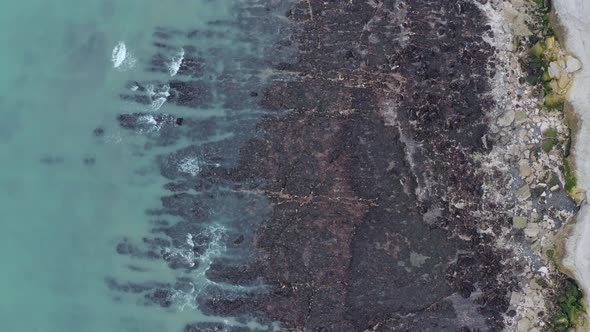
(67, 196)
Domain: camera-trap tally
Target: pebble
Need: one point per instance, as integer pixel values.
(525, 171)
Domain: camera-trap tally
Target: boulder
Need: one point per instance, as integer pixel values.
(506, 119)
(520, 116)
(572, 64)
(519, 222)
(554, 70)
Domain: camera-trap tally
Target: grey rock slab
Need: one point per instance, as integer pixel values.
(523, 193)
(506, 119)
(519, 222)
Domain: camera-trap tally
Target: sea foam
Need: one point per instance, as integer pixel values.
(176, 62)
(122, 59)
(158, 96)
(215, 247)
(189, 166)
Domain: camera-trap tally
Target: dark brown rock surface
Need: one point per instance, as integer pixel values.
(354, 195)
(386, 107)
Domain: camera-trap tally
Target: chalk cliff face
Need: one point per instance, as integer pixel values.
(350, 183)
(573, 16)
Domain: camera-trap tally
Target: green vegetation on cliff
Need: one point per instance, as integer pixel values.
(569, 300)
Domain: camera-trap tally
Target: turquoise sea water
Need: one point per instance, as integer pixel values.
(67, 196)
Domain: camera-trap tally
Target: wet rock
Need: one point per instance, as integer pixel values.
(178, 186)
(161, 297)
(224, 271)
(147, 122)
(125, 248)
(195, 94)
(239, 240)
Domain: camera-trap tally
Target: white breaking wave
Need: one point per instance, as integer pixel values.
(158, 97)
(176, 62)
(122, 59)
(157, 103)
(119, 54)
(152, 122)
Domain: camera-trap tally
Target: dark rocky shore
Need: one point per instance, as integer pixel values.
(350, 194)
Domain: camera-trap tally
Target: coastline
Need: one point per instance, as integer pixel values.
(570, 14)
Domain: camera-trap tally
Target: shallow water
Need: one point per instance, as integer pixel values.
(70, 194)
